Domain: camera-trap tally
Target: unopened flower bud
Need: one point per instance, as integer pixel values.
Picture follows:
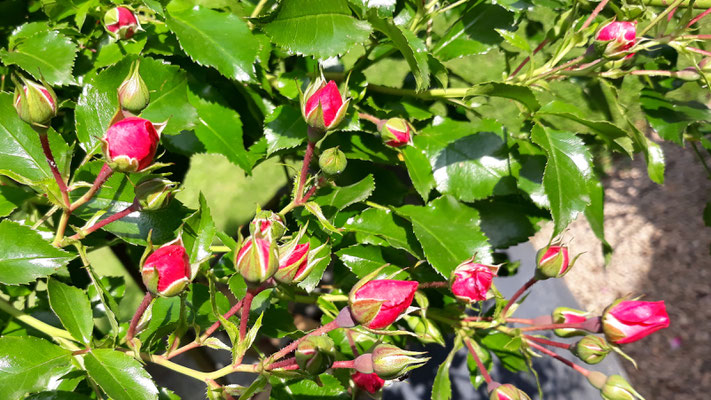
(35, 104)
(615, 38)
(316, 354)
(591, 349)
(257, 260)
(392, 362)
(133, 93)
(155, 193)
(426, 330)
(617, 388)
(626, 321)
(471, 281)
(332, 161)
(378, 303)
(166, 272)
(371, 383)
(323, 106)
(553, 262)
(508, 392)
(565, 315)
(121, 22)
(130, 144)
(396, 132)
(267, 223)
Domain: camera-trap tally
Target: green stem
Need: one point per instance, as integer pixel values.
(44, 140)
(701, 159)
(661, 16)
(683, 3)
(258, 8)
(426, 94)
(61, 228)
(49, 330)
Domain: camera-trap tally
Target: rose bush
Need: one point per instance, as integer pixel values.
(417, 141)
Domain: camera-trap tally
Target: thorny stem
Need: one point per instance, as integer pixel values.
(479, 364)
(698, 17)
(293, 345)
(518, 294)
(104, 174)
(427, 285)
(53, 166)
(569, 363)
(351, 342)
(552, 71)
(313, 190)
(244, 317)
(528, 58)
(659, 17)
(372, 118)
(594, 14)
(137, 316)
(115, 217)
(281, 364)
(548, 342)
(304, 171)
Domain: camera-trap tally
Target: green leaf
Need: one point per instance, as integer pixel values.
(198, 232)
(595, 214)
(522, 94)
(361, 146)
(442, 386)
(654, 156)
(324, 257)
(306, 389)
(26, 256)
(410, 46)
(29, 364)
(448, 232)
(669, 117)
(568, 170)
(507, 221)
(319, 28)
(362, 260)
(468, 162)
(474, 33)
(419, 169)
(58, 395)
(119, 375)
(237, 286)
(506, 349)
(384, 223)
(220, 129)
(249, 338)
(315, 210)
(334, 199)
(49, 55)
(11, 198)
(216, 39)
(514, 39)
(284, 128)
(73, 308)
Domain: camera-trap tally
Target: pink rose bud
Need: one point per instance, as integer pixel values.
(257, 260)
(378, 303)
(591, 349)
(508, 392)
(626, 321)
(616, 37)
(268, 223)
(121, 22)
(130, 144)
(565, 315)
(553, 262)
(396, 132)
(371, 383)
(323, 106)
(392, 362)
(34, 103)
(166, 272)
(133, 93)
(293, 263)
(470, 281)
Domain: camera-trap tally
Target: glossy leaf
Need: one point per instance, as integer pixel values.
(320, 28)
(284, 128)
(411, 47)
(119, 375)
(198, 232)
(29, 364)
(522, 94)
(475, 32)
(386, 224)
(324, 257)
(11, 198)
(26, 256)
(419, 169)
(57, 395)
(45, 55)
(72, 307)
(567, 174)
(442, 386)
(364, 259)
(669, 117)
(216, 39)
(304, 389)
(333, 199)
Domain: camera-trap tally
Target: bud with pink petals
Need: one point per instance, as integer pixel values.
(566, 315)
(508, 392)
(166, 272)
(257, 260)
(121, 22)
(626, 321)
(371, 383)
(130, 144)
(35, 104)
(471, 281)
(267, 223)
(396, 132)
(616, 37)
(553, 262)
(323, 106)
(376, 304)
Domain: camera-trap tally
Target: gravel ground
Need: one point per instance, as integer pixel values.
(661, 252)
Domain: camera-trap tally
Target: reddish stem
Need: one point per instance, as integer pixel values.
(281, 364)
(698, 17)
(548, 342)
(427, 285)
(590, 325)
(594, 14)
(312, 190)
(128, 210)
(310, 146)
(244, 317)
(695, 50)
(343, 364)
(375, 120)
(518, 294)
(351, 342)
(479, 364)
(528, 58)
(44, 140)
(293, 345)
(104, 174)
(137, 316)
(569, 363)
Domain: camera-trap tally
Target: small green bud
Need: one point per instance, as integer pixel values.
(315, 354)
(591, 349)
(617, 388)
(35, 104)
(391, 362)
(155, 194)
(332, 161)
(133, 93)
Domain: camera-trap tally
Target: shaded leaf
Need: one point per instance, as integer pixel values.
(386, 224)
(522, 94)
(475, 32)
(411, 47)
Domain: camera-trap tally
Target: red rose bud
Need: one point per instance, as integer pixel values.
(616, 37)
(371, 383)
(565, 315)
(35, 104)
(470, 281)
(133, 93)
(378, 303)
(591, 349)
(121, 22)
(391, 362)
(315, 354)
(154, 194)
(508, 392)
(617, 388)
(396, 132)
(166, 272)
(130, 144)
(257, 260)
(323, 106)
(332, 161)
(553, 262)
(626, 321)
(267, 223)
